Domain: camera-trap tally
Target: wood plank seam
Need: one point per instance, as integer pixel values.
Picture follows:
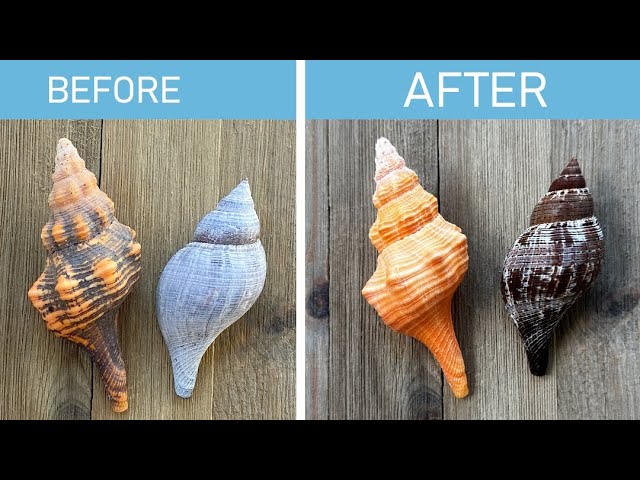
(328, 263)
(93, 367)
(442, 381)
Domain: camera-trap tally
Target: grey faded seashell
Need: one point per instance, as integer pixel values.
(210, 283)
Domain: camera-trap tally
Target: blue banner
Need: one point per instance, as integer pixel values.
(96, 89)
(469, 89)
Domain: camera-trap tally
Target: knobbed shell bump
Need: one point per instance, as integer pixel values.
(210, 283)
(422, 260)
(552, 263)
(93, 261)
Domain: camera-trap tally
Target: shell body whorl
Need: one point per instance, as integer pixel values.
(552, 263)
(210, 283)
(422, 259)
(93, 262)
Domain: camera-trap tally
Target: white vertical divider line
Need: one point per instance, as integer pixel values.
(300, 238)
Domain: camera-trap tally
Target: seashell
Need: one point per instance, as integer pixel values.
(210, 283)
(93, 261)
(552, 263)
(422, 260)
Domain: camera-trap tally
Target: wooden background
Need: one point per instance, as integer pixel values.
(488, 176)
(163, 177)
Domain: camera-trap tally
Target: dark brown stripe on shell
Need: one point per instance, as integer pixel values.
(96, 224)
(106, 353)
(563, 205)
(77, 262)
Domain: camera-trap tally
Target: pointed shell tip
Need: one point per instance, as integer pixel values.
(65, 149)
(243, 188)
(121, 406)
(461, 392)
(183, 392)
(384, 148)
(387, 158)
(64, 144)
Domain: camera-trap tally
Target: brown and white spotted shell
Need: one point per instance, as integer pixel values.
(552, 263)
(93, 261)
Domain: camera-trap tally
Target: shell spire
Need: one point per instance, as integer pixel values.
(552, 263)
(79, 209)
(387, 159)
(93, 262)
(210, 283)
(422, 260)
(234, 220)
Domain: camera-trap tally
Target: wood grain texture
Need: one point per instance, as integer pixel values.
(598, 344)
(372, 371)
(317, 316)
(163, 177)
(41, 376)
(255, 358)
(491, 174)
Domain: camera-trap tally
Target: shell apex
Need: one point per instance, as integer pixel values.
(234, 221)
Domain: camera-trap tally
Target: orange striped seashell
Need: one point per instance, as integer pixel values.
(422, 259)
(93, 261)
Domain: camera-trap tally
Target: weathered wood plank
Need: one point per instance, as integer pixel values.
(254, 360)
(492, 174)
(598, 344)
(373, 372)
(317, 272)
(41, 376)
(163, 177)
